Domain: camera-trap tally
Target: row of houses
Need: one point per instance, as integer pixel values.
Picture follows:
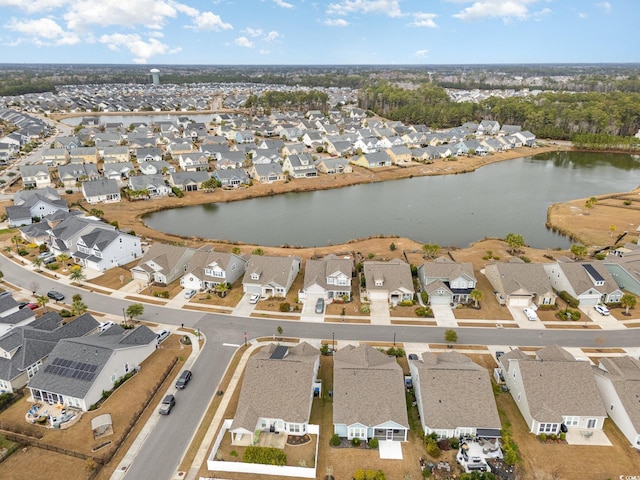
(454, 396)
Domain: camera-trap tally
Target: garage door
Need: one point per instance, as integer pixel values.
(519, 301)
(439, 300)
(378, 296)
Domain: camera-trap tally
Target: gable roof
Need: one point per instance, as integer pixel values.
(317, 271)
(624, 374)
(364, 372)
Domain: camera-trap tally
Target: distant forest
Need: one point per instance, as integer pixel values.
(547, 115)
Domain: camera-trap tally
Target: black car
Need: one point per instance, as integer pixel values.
(57, 296)
(21, 305)
(413, 356)
(184, 378)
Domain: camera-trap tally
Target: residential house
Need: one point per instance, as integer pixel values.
(104, 190)
(372, 160)
(300, 166)
(35, 176)
(156, 168)
(328, 278)
(389, 281)
(437, 380)
(266, 173)
(12, 316)
(361, 373)
(589, 282)
(188, 181)
(447, 282)
(70, 175)
(55, 156)
(232, 177)
(78, 370)
(270, 276)
(68, 143)
(25, 348)
(520, 284)
(193, 162)
(618, 381)
(488, 127)
(312, 138)
(526, 138)
(118, 171)
(148, 154)
(28, 204)
(339, 148)
(399, 155)
(277, 393)
(208, 268)
(245, 136)
(162, 264)
(102, 249)
(84, 155)
(333, 166)
(231, 160)
(293, 149)
(625, 270)
(553, 391)
(116, 154)
(154, 184)
(177, 148)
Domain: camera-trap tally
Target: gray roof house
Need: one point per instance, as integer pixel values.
(104, 249)
(300, 166)
(35, 176)
(148, 154)
(12, 316)
(438, 380)
(104, 190)
(270, 276)
(553, 389)
(73, 173)
(188, 181)
(64, 235)
(78, 370)
(589, 282)
(208, 268)
(156, 167)
(328, 278)
(266, 173)
(390, 281)
(118, 170)
(24, 348)
(520, 284)
(447, 282)
(232, 177)
(618, 381)
(359, 375)
(28, 204)
(333, 166)
(154, 184)
(277, 392)
(625, 269)
(162, 263)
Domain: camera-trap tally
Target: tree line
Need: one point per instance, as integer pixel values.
(547, 115)
(298, 100)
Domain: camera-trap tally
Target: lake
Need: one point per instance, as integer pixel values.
(449, 210)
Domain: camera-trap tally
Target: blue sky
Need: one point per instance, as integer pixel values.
(318, 32)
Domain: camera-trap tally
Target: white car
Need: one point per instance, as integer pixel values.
(104, 326)
(189, 294)
(602, 310)
(253, 299)
(531, 314)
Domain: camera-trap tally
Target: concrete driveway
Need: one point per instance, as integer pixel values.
(309, 310)
(244, 308)
(379, 312)
(444, 316)
(521, 319)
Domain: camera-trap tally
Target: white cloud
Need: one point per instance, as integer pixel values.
(209, 21)
(504, 9)
(582, 15)
(140, 49)
(243, 42)
(43, 32)
(150, 13)
(272, 36)
(338, 22)
(252, 32)
(606, 6)
(34, 6)
(283, 4)
(421, 53)
(264, 52)
(424, 20)
(390, 8)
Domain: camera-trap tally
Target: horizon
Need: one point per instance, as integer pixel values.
(297, 32)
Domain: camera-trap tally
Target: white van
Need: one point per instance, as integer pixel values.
(163, 335)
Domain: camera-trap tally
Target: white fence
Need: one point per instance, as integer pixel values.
(239, 467)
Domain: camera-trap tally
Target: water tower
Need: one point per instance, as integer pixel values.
(155, 76)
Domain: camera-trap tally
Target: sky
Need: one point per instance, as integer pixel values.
(299, 32)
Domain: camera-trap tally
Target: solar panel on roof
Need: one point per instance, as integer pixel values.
(71, 369)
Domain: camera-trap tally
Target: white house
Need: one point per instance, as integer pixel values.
(590, 283)
(328, 278)
(270, 276)
(104, 249)
(208, 268)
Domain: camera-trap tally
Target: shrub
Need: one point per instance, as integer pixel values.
(355, 442)
(365, 308)
(65, 313)
(233, 453)
(573, 302)
(53, 266)
(627, 202)
(454, 442)
(264, 456)
(324, 349)
(335, 440)
(432, 448)
(425, 297)
(563, 436)
(392, 246)
(424, 312)
(177, 192)
(553, 436)
(68, 192)
(285, 307)
(525, 259)
(543, 437)
(600, 256)
(161, 294)
(395, 352)
(373, 443)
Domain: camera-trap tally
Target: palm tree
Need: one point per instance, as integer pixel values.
(16, 239)
(78, 307)
(628, 301)
(476, 295)
(7, 250)
(222, 289)
(37, 262)
(62, 258)
(612, 229)
(77, 275)
(431, 249)
(42, 300)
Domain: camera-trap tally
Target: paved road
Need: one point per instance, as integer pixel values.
(163, 449)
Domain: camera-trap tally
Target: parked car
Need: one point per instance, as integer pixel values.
(189, 294)
(253, 299)
(413, 356)
(183, 379)
(44, 255)
(49, 260)
(54, 295)
(320, 305)
(602, 309)
(531, 314)
(168, 402)
(499, 354)
(104, 326)
(5, 293)
(163, 335)
(32, 306)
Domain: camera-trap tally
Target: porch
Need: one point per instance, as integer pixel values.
(582, 436)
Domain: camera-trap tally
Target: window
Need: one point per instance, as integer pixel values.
(113, 378)
(571, 421)
(548, 428)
